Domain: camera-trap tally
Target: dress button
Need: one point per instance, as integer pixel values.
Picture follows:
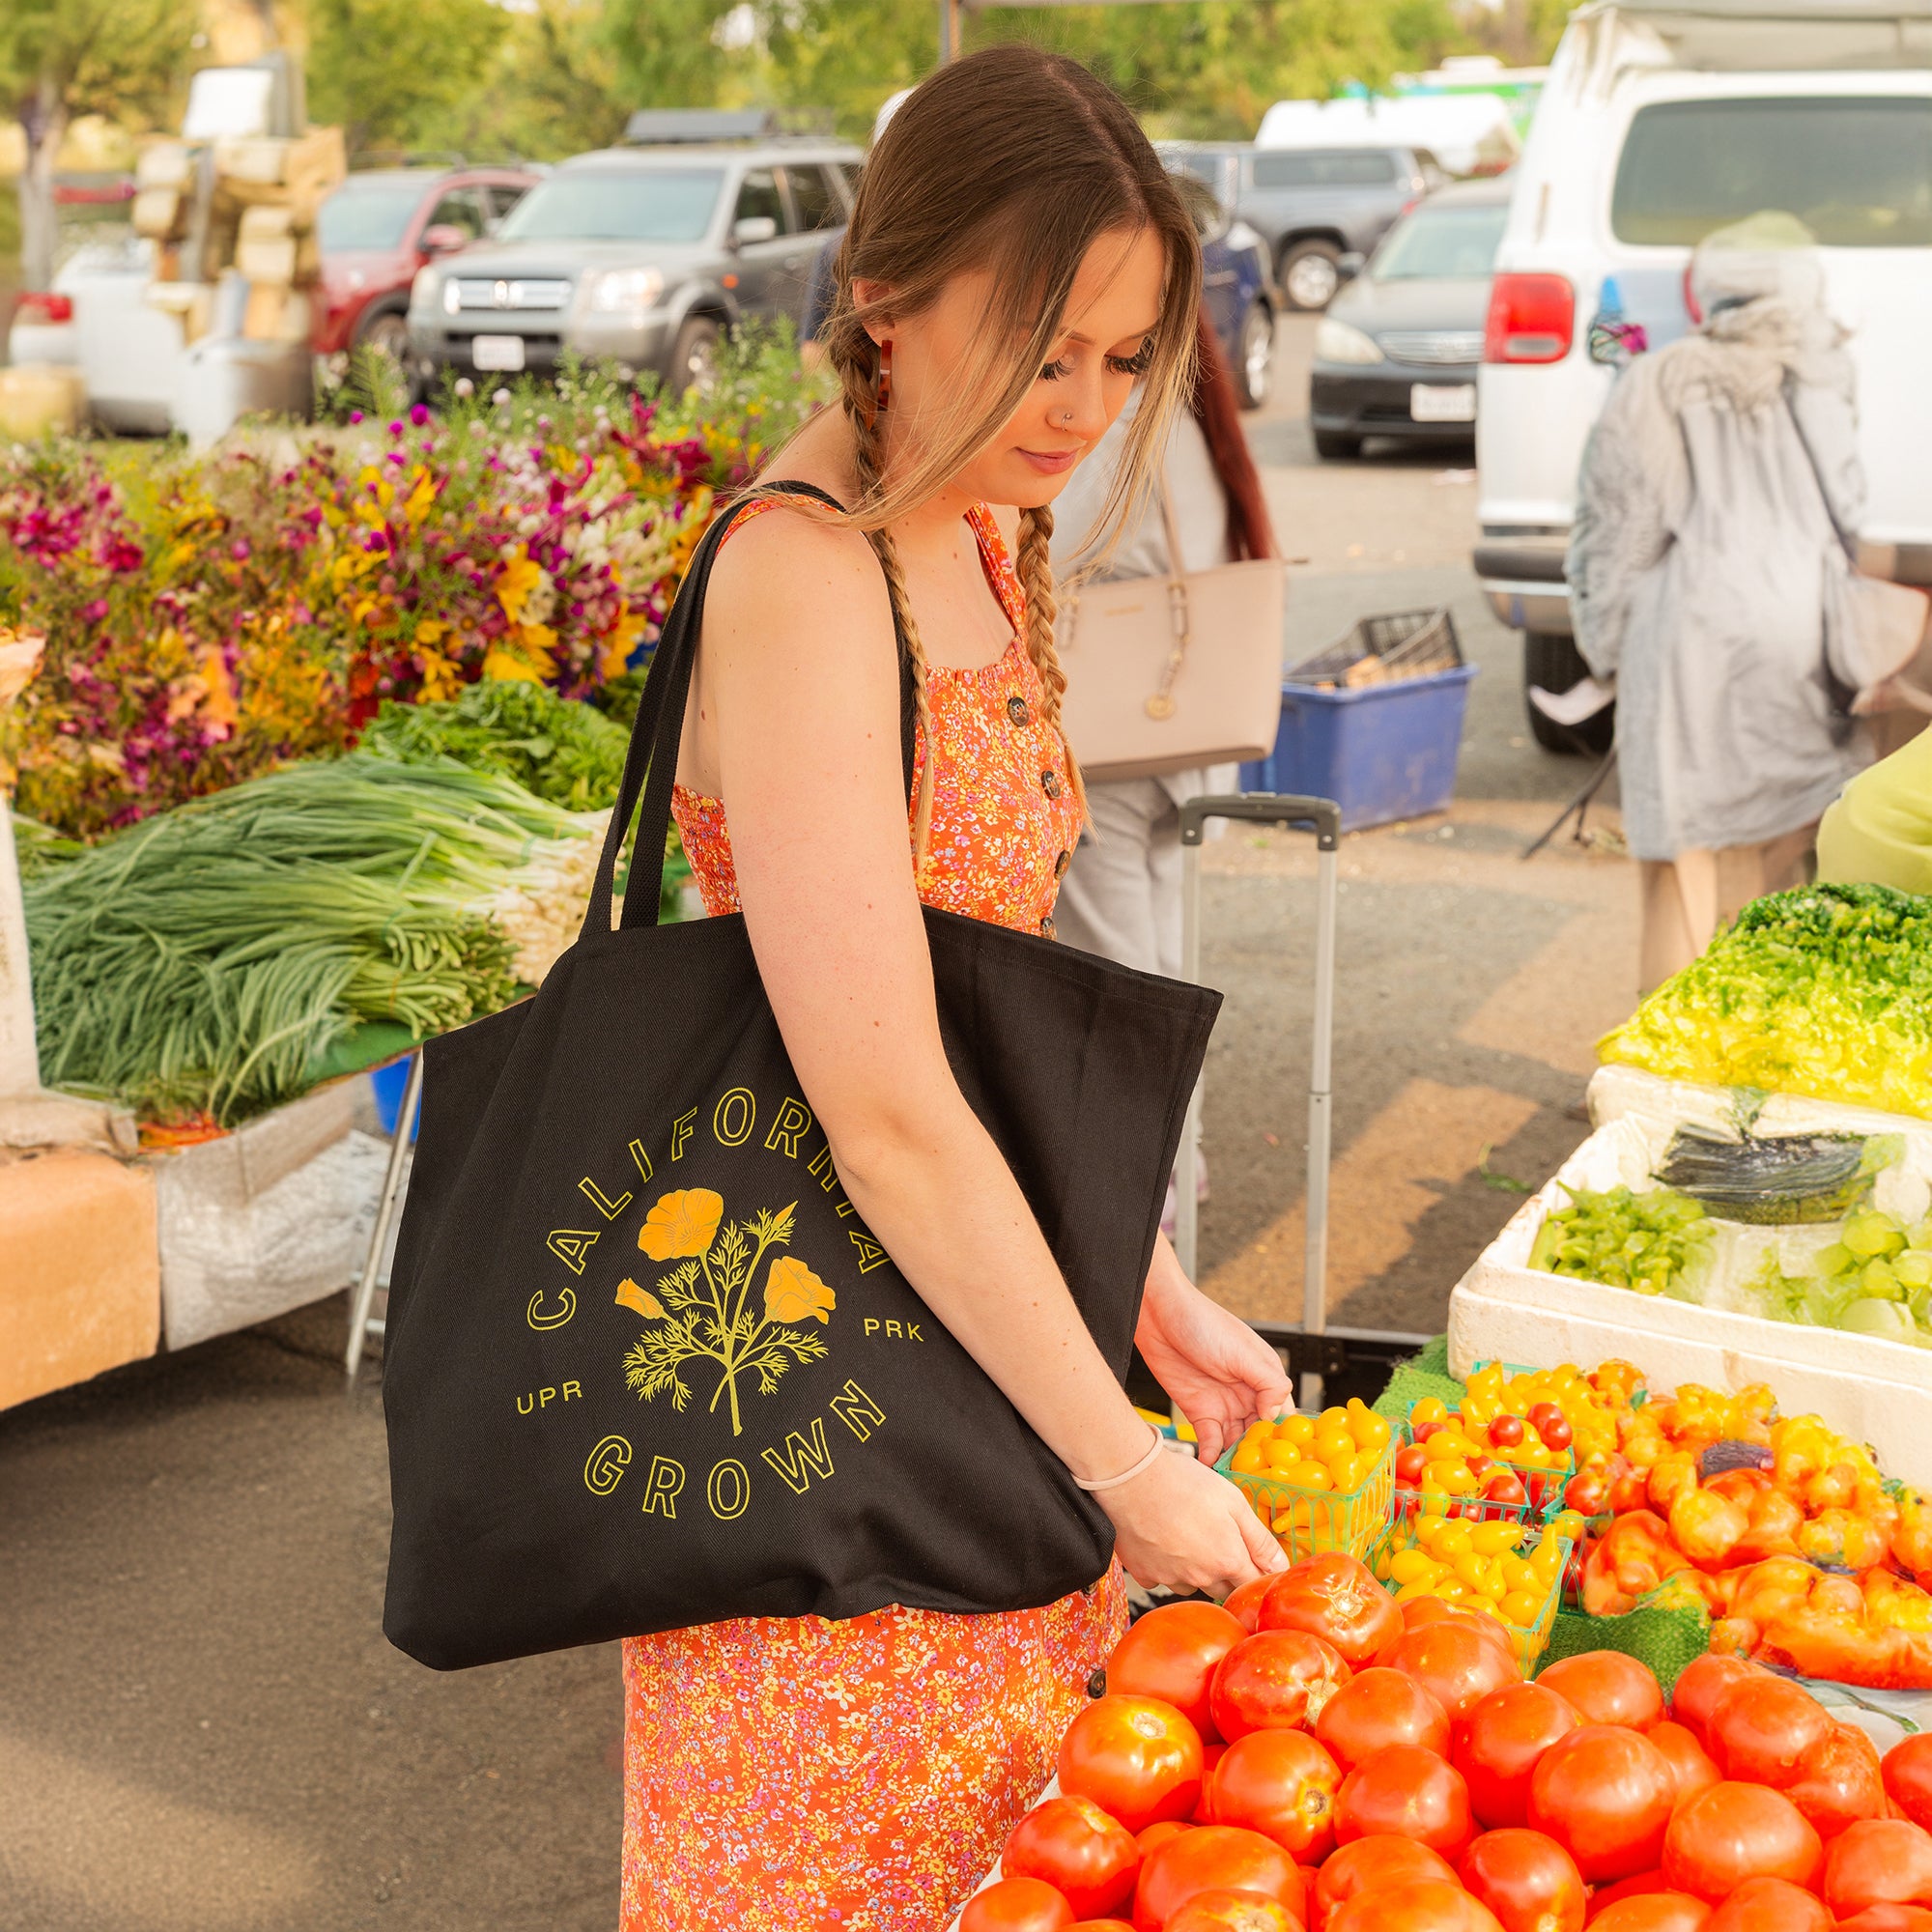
(1061, 863)
(1049, 784)
(1046, 931)
(1018, 710)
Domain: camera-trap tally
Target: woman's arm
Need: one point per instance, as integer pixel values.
(804, 679)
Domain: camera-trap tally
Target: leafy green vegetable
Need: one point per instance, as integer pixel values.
(1656, 1242)
(561, 751)
(206, 959)
(1825, 991)
(1781, 1179)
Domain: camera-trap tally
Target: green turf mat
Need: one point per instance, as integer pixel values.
(1664, 1640)
(1424, 1374)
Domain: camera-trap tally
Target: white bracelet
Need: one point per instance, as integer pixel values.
(1146, 1462)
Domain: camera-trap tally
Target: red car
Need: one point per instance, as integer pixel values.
(381, 225)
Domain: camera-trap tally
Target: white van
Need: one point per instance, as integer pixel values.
(1660, 124)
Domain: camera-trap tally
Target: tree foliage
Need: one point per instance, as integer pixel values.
(400, 73)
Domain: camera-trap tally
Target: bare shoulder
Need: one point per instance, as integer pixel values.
(795, 570)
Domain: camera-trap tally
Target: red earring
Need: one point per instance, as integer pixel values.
(882, 392)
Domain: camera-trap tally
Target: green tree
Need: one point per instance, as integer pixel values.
(398, 73)
(552, 89)
(124, 59)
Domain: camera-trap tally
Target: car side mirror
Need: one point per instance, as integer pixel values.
(751, 228)
(1348, 267)
(443, 238)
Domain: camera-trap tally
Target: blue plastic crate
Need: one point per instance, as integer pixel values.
(1381, 752)
(389, 1083)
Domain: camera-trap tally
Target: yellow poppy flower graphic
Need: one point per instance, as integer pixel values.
(682, 1223)
(642, 1299)
(794, 1293)
(703, 1308)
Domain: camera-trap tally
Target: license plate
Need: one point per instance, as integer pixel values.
(1429, 402)
(507, 352)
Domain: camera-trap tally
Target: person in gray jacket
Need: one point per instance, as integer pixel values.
(1707, 552)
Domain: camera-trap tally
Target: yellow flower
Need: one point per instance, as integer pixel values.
(794, 1293)
(684, 1222)
(514, 582)
(420, 497)
(642, 1299)
(619, 644)
(502, 665)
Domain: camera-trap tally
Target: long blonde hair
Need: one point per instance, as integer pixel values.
(1012, 160)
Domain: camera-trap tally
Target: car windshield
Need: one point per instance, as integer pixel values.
(1857, 172)
(368, 215)
(1442, 244)
(620, 205)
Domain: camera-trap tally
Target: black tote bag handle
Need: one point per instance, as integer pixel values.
(650, 765)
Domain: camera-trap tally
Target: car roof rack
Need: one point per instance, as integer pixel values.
(708, 127)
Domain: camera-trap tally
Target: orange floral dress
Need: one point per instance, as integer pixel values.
(788, 1774)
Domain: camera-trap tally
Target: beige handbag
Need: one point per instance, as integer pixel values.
(1164, 673)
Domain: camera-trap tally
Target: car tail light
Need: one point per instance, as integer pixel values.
(1531, 319)
(46, 309)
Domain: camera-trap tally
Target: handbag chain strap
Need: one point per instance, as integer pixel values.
(1159, 702)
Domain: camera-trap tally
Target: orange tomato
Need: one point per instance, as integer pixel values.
(1137, 1758)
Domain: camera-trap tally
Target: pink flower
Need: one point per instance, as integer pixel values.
(419, 414)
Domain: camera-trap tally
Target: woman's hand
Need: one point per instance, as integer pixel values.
(1220, 1373)
(1181, 1527)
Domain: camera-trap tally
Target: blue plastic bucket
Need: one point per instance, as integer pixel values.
(1381, 752)
(388, 1085)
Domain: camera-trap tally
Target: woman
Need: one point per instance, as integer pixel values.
(1016, 259)
(1703, 561)
(1121, 895)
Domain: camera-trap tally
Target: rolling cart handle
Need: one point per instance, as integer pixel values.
(1323, 816)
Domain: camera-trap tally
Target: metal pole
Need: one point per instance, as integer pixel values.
(360, 1323)
(948, 31)
(1320, 1122)
(1186, 1188)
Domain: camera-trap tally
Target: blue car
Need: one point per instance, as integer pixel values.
(1236, 286)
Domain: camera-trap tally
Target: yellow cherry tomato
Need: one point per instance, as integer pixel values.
(1453, 1538)
(1413, 1565)
(1247, 1461)
(1370, 1431)
(1282, 1456)
(1493, 1538)
(1429, 1408)
(1296, 1428)
(1349, 1472)
(1472, 1570)
(1312, 1476)
(1522, 1607)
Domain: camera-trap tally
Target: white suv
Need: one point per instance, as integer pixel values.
(1656, 125)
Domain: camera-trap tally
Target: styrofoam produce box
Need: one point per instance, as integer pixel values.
(1874, 1391)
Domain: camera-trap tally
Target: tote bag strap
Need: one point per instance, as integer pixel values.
(650, 765)
(1161, 700)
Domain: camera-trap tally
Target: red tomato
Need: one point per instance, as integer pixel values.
(1908, 1774)
(1430, 1906)
(1689, 1761)
(1275, 1680)
(1654, 1912)
(1380, 1707)
(1075, 1847)
(1770, 1905)
(1604, 1794)
(1016, 1905)
(1371, 1864)
(1604, 1687)
(1455, 1664)
(1406, 1792)
(1171, 1654)
(1497, 1747)
(1218, 1858)
(1604, 1896)
(1157, 1836)
(1232, 1912)
(1888, 1919)
(1244, 1605)
(1409, 1464)
(1839, 1781)
(1138, 1759)
(1103, 1926)
(1732, 1832)
(1505, 1486)
(1338, 1600)
(1693, 1698)
(1281, 1785)
(1529, 1882)
(1761, 1726)
(1878, 1862)
(1908, 1777)
(1589, 1493)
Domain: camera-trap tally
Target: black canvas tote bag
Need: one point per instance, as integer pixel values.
(644, 1365)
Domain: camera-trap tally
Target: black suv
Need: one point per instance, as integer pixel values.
(1312, 205)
